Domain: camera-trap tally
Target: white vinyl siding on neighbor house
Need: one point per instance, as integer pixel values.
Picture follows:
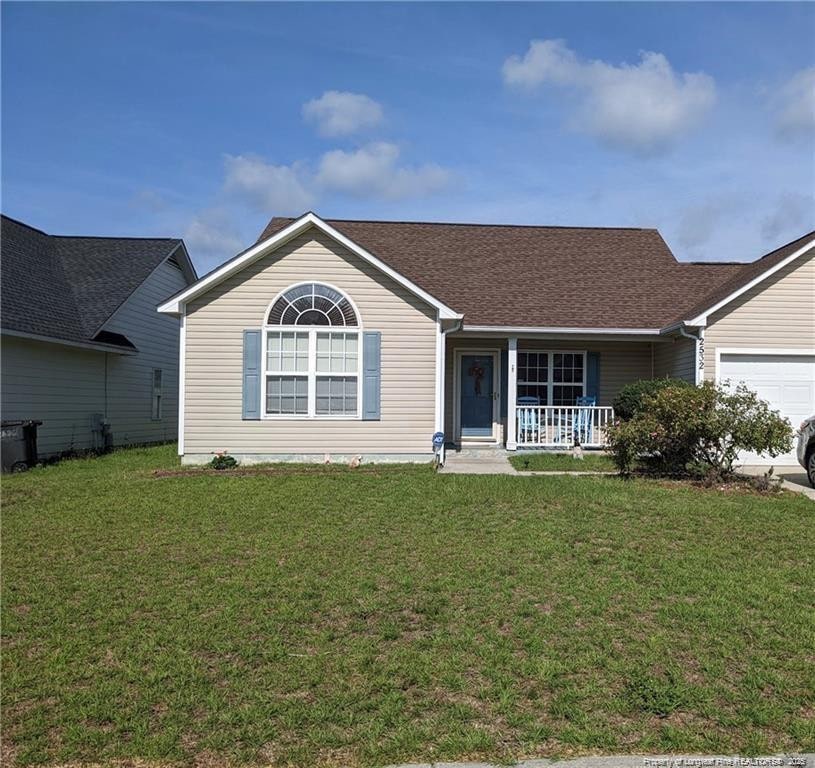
(58, 385)
(676, 359)
(215, 323)
(777, 313)
(65, 386)
(131, 379)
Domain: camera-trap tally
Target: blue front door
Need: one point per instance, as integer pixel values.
(477, 395)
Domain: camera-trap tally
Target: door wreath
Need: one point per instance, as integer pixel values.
(476, 370)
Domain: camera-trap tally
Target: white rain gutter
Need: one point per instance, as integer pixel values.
(699, 349)
(441, 351)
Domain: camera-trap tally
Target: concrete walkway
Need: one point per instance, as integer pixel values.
(645, 761)
(495, 461)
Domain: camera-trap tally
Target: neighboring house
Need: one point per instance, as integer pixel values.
(83, 349)
(365, 338)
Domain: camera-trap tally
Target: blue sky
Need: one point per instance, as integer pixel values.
(204, 120)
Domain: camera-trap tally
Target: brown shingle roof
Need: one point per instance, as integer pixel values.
(744, 275)
(528, 276)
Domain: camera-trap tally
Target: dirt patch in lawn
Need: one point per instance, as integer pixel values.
(255, 471)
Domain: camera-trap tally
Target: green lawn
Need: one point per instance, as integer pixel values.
(339, 618)
(561, 462)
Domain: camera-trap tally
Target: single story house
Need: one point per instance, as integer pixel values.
(367, 337)
(83, 349)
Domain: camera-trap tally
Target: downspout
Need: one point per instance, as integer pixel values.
(441, 392)
(699, 350)
(105, 407)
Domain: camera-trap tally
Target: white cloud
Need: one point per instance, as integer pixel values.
(793, 216)
(640, 107)
(150, 200)
(795, 106)
(699, 224)
(373, 171)
(266, 187)
(212, 233)
(340, 113)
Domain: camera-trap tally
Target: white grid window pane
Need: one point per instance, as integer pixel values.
(563, 394)
(336, 396)
(539, 391)
(567, 368)
(533, 375)
(287, 351)
(337, 352)
(287, 395)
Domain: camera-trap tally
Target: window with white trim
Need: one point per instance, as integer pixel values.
(311, 371)
(553, 378)
(156, 379)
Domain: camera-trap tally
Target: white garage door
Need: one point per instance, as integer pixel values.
(787, 382)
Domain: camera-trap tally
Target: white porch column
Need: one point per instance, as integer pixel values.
(512, 394)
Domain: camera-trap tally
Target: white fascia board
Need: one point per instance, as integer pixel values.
(556, 330)
(701, 319)
(175, 305)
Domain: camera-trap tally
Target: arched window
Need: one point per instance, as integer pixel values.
(312, 304)
(312, 354)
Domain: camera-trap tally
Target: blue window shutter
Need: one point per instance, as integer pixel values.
(251, 374)
(371, 375)
(593, 375)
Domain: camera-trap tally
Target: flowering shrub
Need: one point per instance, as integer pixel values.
(700, 430)
(630, 399)
(222, 460)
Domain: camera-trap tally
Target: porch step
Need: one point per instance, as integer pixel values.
(478, 452)
(473, 461)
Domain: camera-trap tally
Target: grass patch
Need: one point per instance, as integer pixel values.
(341, 618)
(546, 461)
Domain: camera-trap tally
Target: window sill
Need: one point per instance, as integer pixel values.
(294, 417)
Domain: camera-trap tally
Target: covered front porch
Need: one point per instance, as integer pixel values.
(548, 391)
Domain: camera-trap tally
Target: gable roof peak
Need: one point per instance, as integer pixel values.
(68, 287)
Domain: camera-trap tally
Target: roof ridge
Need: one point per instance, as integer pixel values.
(113, 237)
(472, 224)
(715, 263)
(23, 224)
(84, 237)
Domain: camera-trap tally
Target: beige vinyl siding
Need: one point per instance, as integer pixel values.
(621, 362)
(58, 385)
(214, 347)
(675, 359)
(777, 313)
(130, 384)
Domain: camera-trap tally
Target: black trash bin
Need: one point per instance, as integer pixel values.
(19, 445)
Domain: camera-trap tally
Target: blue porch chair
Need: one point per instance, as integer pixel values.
(584, 423)
(528, 423)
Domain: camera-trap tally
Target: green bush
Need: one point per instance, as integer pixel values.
(629, 401)
(682, 430)
(223, 461)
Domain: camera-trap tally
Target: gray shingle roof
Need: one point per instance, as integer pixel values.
(67, 287)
